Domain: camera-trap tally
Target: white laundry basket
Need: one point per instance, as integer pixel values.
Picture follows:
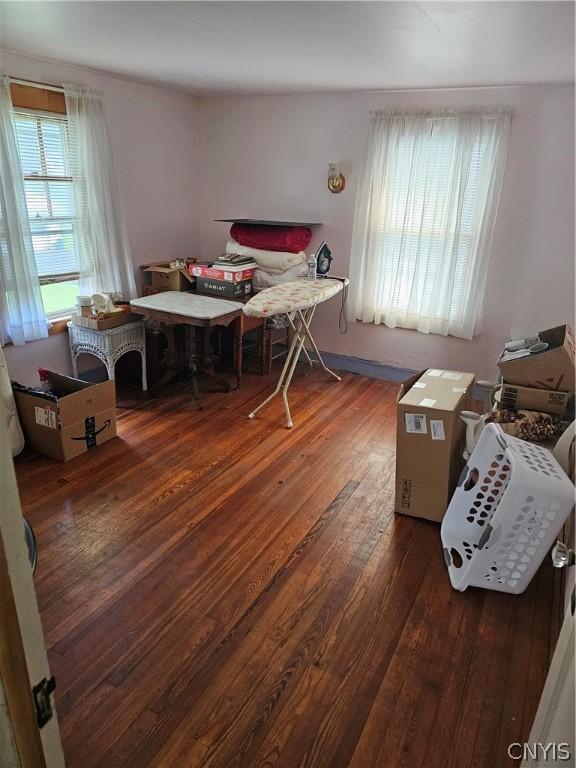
(512, 500)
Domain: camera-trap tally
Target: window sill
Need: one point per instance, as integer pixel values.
(59, 325)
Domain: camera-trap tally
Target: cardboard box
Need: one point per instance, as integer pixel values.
(430, 438)
(217, 273)
(225, 288)
(105, 323)
(83, 417)
(552, 369)
(165, 278)
(514, 398)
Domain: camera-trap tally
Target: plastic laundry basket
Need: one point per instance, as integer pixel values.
(512, 500)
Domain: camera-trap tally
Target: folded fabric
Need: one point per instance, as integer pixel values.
(276, 260)
(290, 239)
(264, 279)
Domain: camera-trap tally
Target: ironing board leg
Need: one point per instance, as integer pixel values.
(286, 375)
(310, 362)
(301, 337)
(306, 323)
(296, 341)
(301, 330)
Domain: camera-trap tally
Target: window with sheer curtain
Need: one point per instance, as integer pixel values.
(425, 212)
(62, 231)
(43, 146)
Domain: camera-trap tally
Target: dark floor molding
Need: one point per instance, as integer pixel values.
(369, 368)
(375, 370)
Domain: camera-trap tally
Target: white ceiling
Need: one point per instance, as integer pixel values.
(268, 47)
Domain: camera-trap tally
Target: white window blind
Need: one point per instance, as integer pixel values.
(424, 216)
(44, 153)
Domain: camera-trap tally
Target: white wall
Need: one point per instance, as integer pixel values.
(183, 162)
(267, 157)
(154, 136)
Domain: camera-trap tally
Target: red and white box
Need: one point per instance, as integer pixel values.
(231, 275)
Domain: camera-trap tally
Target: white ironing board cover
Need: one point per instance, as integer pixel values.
(290, 297)
(187, 304)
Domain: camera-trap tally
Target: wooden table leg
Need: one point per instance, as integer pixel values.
(207, 360)
(238, 333)
(191, 358)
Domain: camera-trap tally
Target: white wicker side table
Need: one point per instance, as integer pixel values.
(108, 346)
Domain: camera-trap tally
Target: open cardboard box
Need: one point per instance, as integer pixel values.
(552, 369)
(82, 417)
(105, 323)
(163, 277)
(430, 438)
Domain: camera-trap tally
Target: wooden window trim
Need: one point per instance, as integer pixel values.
(42, 99)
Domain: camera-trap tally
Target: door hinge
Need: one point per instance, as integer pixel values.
(42, 702)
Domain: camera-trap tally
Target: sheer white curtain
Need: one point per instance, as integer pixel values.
(22, 316)
(104, 253)
(424, 216)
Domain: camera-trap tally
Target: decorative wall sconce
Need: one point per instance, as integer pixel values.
(336, 180)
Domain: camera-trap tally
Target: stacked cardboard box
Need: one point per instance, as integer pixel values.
(543, 381)
(430, 434)
(230, 282)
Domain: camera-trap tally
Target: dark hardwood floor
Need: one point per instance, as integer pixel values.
(224, 592)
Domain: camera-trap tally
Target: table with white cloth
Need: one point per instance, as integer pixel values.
(297, 300)
(192, 311)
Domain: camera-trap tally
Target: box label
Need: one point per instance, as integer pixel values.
(416, 423)
(435, 372)
(437, 429)
(428, 402)
(46, 417)
(459, 390)
(451, 375)
(419, 385)
(406, 493)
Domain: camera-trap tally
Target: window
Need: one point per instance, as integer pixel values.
(424, 217)
(43, 146)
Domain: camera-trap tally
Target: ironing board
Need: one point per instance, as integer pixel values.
(298, 300)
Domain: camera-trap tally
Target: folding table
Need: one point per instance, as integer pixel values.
(298, 300)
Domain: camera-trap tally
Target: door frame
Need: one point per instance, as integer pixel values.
(23, 657)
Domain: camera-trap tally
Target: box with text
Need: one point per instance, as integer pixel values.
(430, 440)
(81, 417)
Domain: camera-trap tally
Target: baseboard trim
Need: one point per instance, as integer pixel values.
(375, 370)
(370, 368)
